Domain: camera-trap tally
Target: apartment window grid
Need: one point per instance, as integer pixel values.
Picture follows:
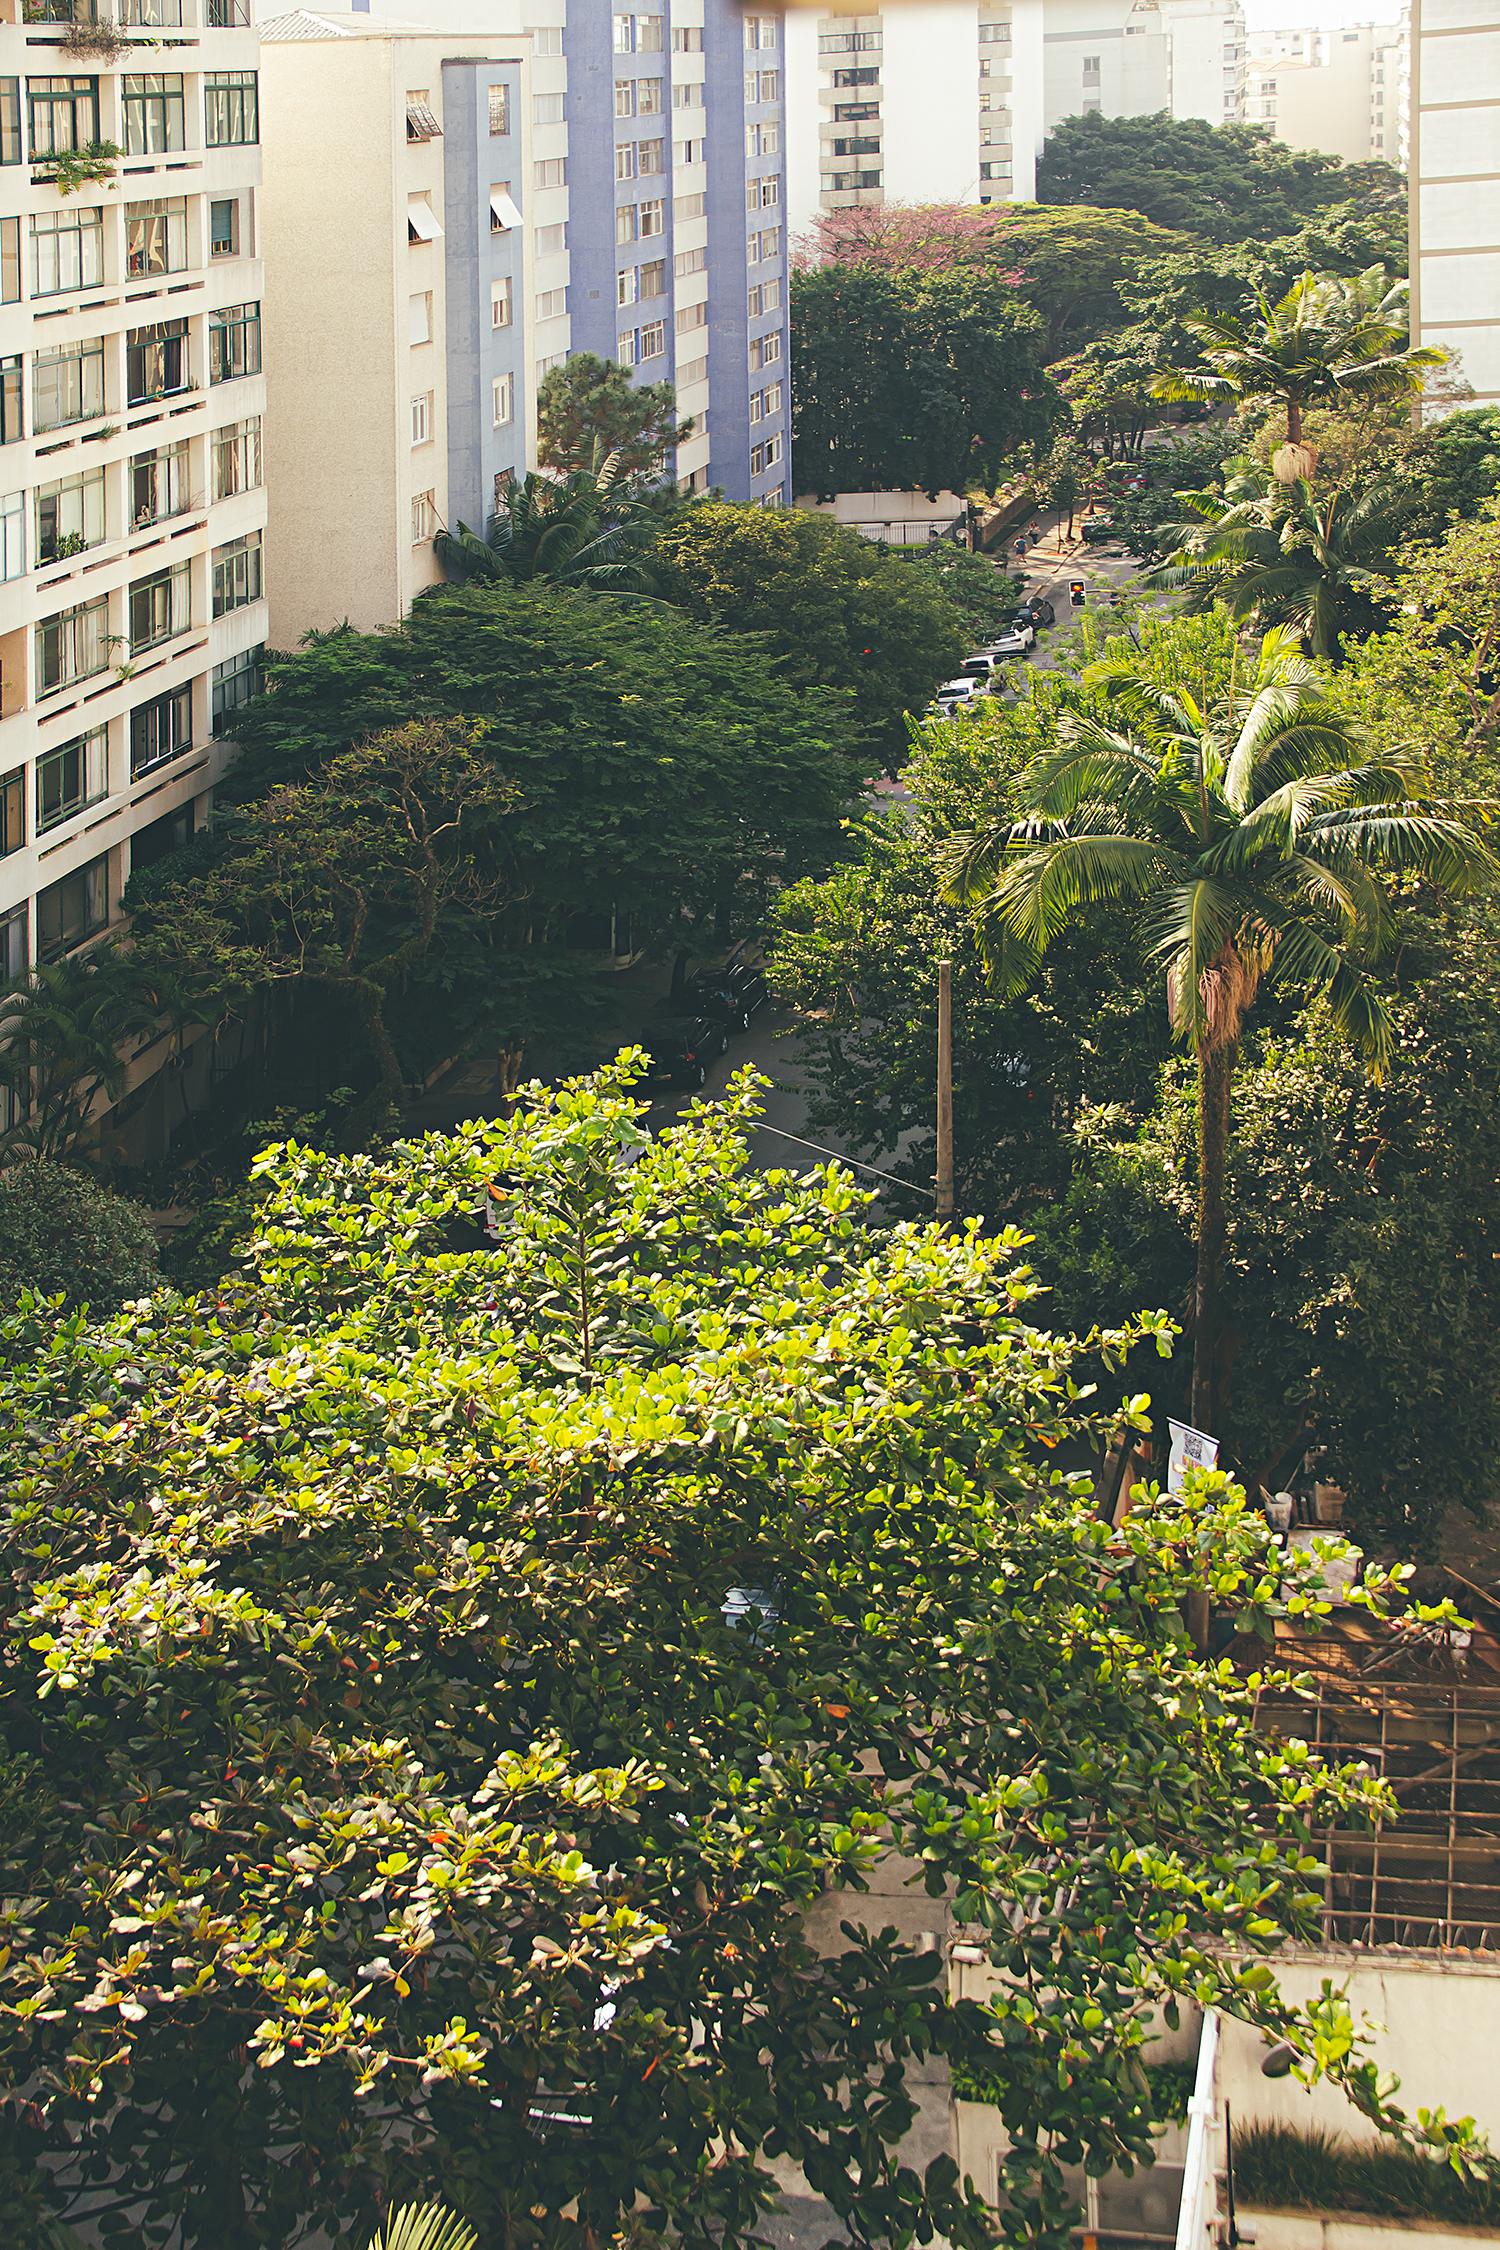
(761, 32)
(763, 195)
(156, 236)
(627, 344)
(72, 910)
(69, 516)
(690, 152)
(12, 150)
(653, 217)
(766, 455)
(502, 400)
(67, 385)
(690, 371)
(231, 109)
(691, 317)
(551, 304)
(237, 457)
(421, 418)
(765, 350)
(238, 573)
(686, 207)
(159, 485)
(689, 96)
(72, 646)
(159, 608)
(155, 113)
(499, 111)
(71, 778)
(62, 115)
(233, 342)
(654, 277)
(690, 261)
(161, 730)
(12, 811)
(687, 39)
(653, 338)
(67, 251)
(502, 302)
(236, 682)
(651, 158)
(547, 109)
(156, 361)
(550, 172)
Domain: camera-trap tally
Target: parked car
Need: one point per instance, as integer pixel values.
(982, 666)
(734, 990)
(682, 1039)
(1015, 638)
(954, 693)
(1039, 610)
(1097, 529)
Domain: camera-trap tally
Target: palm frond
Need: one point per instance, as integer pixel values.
(1427, 843)
(1044, 884)
(424, 2226)
(1304, 957)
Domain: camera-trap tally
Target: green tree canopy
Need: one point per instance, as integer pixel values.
(439, 1680)
(913, 381)
(1072, 261)
(589, 528)
(64, 1234)
(591, 408)
(1229, 183)
(837, 609)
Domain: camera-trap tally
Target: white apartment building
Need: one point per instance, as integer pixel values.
(1455, 186)
(1343, 91)
(132, 509)
(949, 101)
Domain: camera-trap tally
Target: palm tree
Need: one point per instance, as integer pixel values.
(1326, 342)
(588, 528)
(1247, 829)
(1288, 556)
(63, 1031)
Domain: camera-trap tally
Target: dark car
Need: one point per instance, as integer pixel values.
(735, 990)
(1040, 610)
(1098, 529)
(682, 1039)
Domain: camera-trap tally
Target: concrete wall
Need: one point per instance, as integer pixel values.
(1304, 2230)
(931, 103)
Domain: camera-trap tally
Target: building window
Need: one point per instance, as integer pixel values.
(156, 236)
(687, 97)
(224, 227)
(173, 830)
(690, 371)
(233, 342)
(419, 317)
(551, 241)
(690, 317)
(14, 958)
(627, 286)
(624, 32)
(760, 31)
(155, 116)
(71, 777)
(72, 910)
(690, 152)
(72, 646)
(770, 86)
(545, 366)
(653, 339)
(421, 118)
(156, 361)
(10, 261)
(12, 536)
(648, 99)
(765, 350)
(653, 216)
(67, 384)
(231, 109)
(654, 278)
(11, 149)
(687, 40)
(161, 730)
(627, 223)
(421, 418)
(499, 100)
(69, 515)
(12, 811)
(765, 456)
(159, 608)
(236, 682)
(625, 348)
(650, 34)
(63, 114)
(423, 518)
(625, 161)
(551, 172)
(689, 261)
(551, 304)
(547, 39)
(67, 252)
(624, 97)
(238, 576)
(773, 399)
(546, 109)
(687, 207)
(651, 157)
(236, 457)
(866, 75)
(502, 400)
(159, 485)
(421, 220)
(502, 302)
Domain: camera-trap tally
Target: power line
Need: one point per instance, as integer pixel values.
(839, 1157)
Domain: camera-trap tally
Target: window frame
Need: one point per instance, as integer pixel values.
(153, 109)
(92, 881)
(238, 574)
(89, 753)
(231, 108)
(234, 341)
(176, 704)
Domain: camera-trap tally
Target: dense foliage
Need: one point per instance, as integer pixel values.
(913, 380)
(1229, 183)
(63, 1234)
(441, 1685)
(590, 410)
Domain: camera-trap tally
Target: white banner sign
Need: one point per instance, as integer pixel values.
(1191, 1449)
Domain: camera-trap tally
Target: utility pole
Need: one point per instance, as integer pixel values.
(945, 1093)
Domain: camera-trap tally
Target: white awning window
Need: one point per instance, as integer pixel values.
(504, 210)
(421, 221)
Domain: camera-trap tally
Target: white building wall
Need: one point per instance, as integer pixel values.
(931, 103)
(1455, 176)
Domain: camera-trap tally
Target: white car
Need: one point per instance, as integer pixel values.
(982, 667)
(1015, 639)
(952, 693)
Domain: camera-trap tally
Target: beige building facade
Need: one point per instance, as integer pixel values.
(1455, 186)
(132, 404)
(1343, 91)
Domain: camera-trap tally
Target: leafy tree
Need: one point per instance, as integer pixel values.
(1109, 394)
(982, 596)
(1287, 556)
(622, 756)
(1229, 183)
(901, 237)
(1063, 477)
(1435, 680)
(63, 1030)
(1248, 830)
(1148, 512)
(62, 1234)
(444, 1690)
(591, 409)
(837, 609)
(1362, 1283)
(1072, 261)
(581, 529)
(912, 381)
(1454, 467)
(1326, 339)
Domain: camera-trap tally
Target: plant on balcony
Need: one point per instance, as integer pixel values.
(97, 38)
(72, 168)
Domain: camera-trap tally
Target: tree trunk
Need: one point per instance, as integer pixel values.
(1215, 1081)
(1294, 421)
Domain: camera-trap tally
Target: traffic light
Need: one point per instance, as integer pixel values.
(1078, 592)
